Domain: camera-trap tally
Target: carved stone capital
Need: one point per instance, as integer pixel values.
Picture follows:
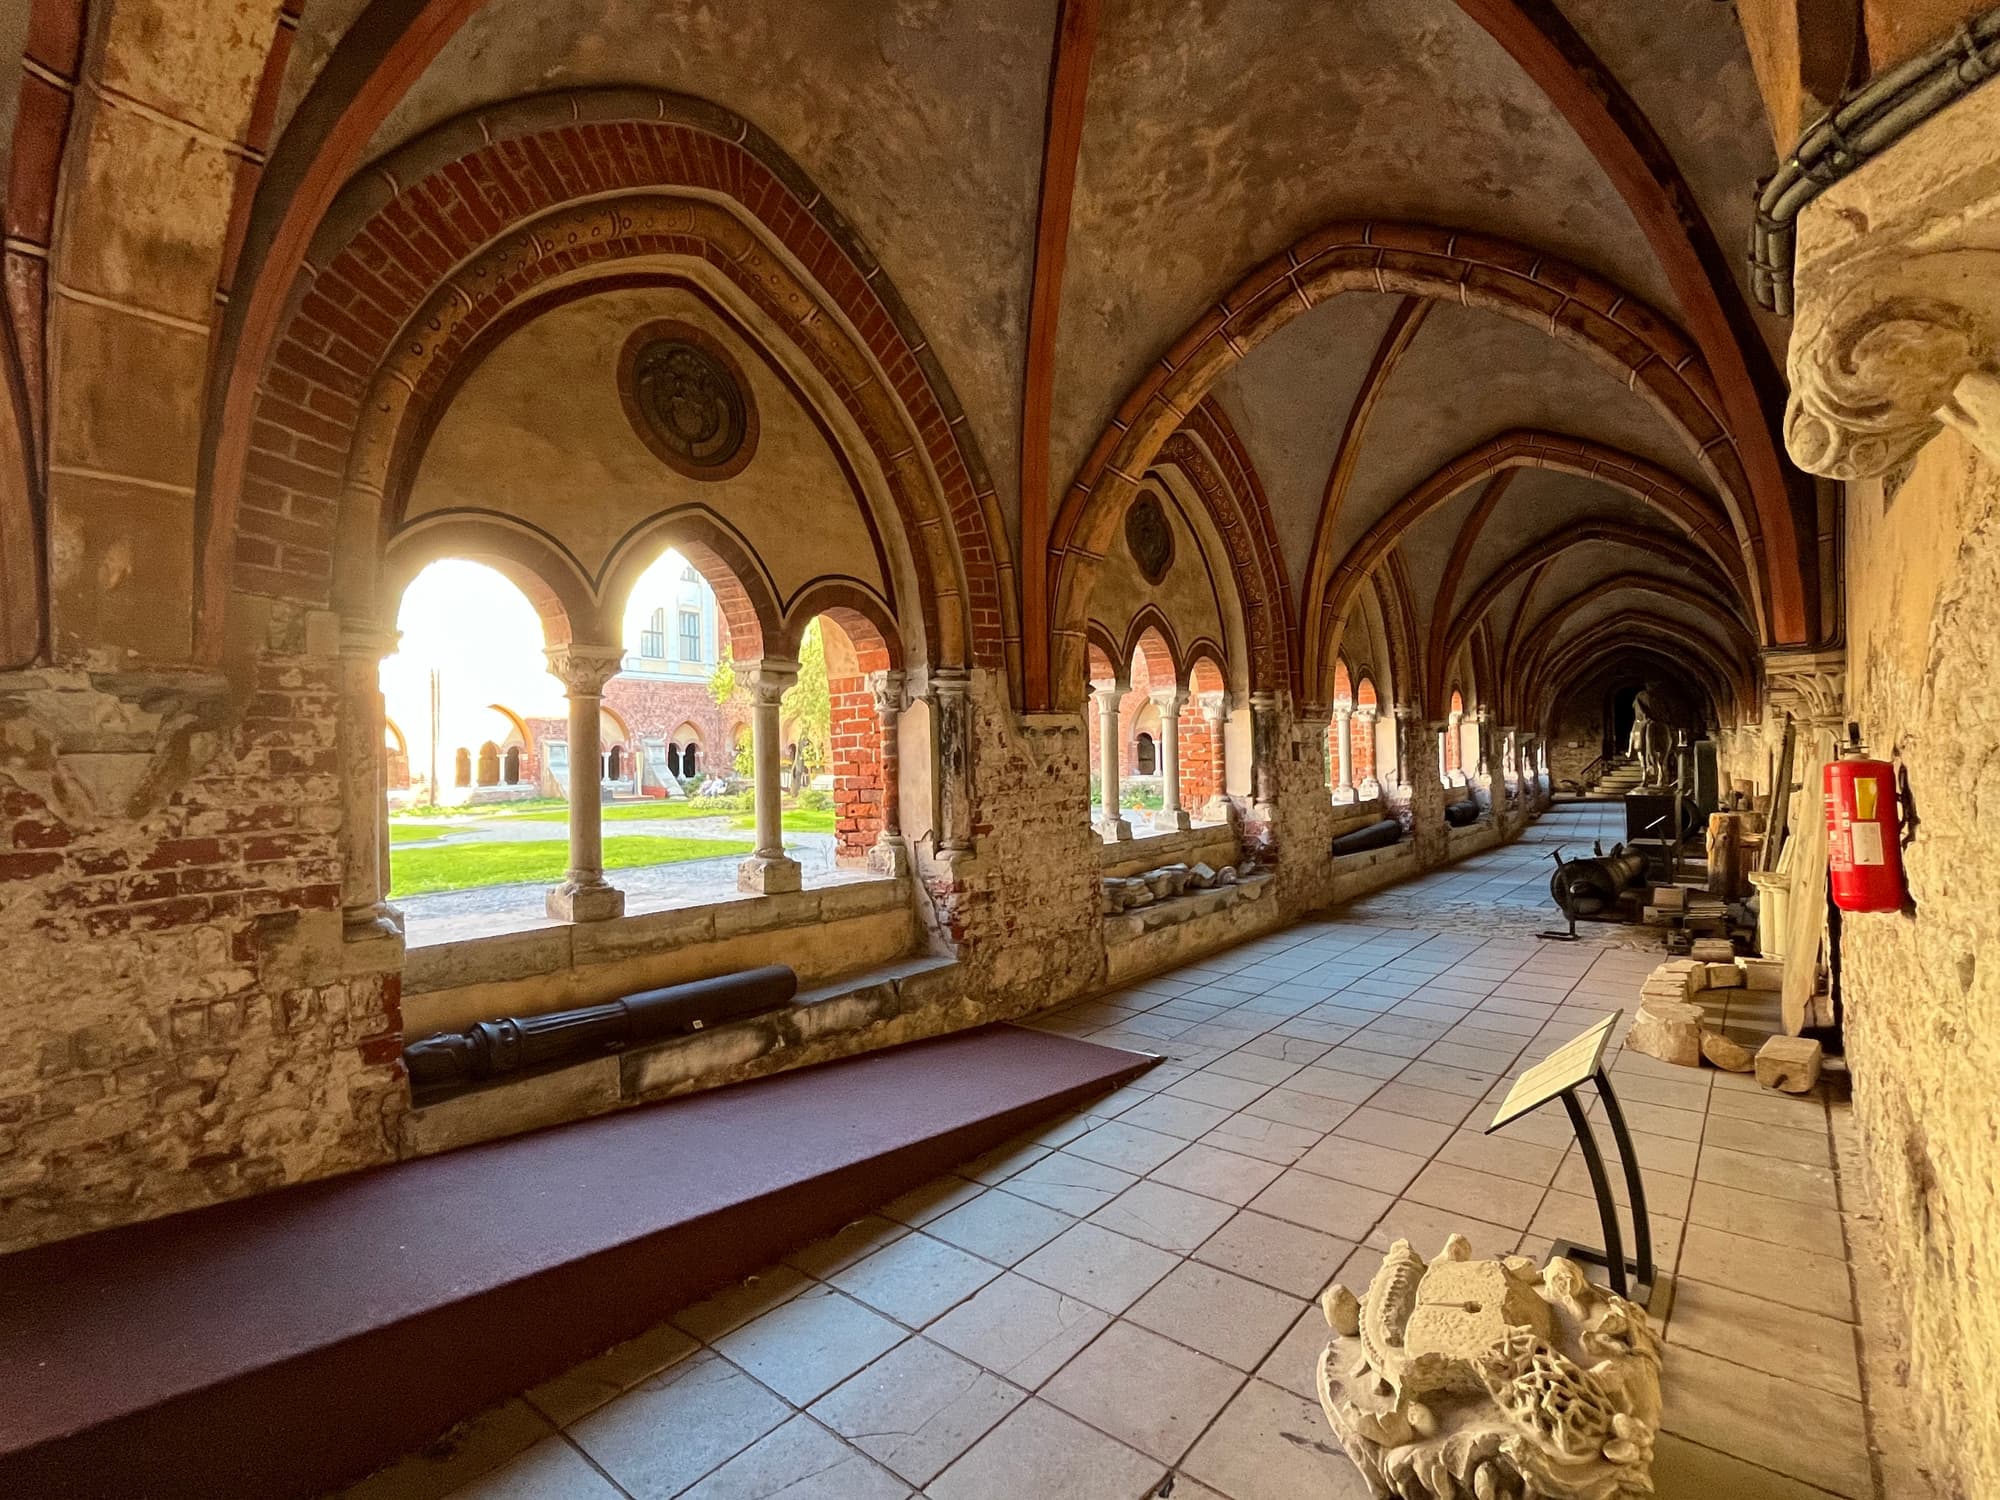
(1214, 707)
(768, 679)
(1170, 700)
(583, 670)
(368, 640)
(887, 686)
(1811, 686)
(1897, 300)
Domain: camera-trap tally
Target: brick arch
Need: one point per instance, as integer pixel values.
(1548, 629)
(862, 618)
(1150, 638)
(1621, 334)
(1705, 523)
(532, 561)
(1218, 469)
(743, 591)
(453, 230)
(1667, 544)
(1103, 657)
(1668, 640)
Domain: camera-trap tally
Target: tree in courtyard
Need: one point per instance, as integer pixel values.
(808, 703)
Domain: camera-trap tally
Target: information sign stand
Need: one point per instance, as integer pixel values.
(1558, 1076)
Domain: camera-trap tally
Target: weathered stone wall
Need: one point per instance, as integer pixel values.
(182, 1021)
(1575, 740)
(1922, 990)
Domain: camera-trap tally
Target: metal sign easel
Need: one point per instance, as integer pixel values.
(1558, 1076)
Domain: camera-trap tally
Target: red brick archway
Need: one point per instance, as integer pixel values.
(497, 206)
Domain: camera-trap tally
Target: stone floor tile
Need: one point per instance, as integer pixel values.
(1473, 1056)
(1795, 1182)
(1331, 1083)
(1271, 1444)
(1363, 1163)
(582, 1389)
(1736, 1410)
(916, 1278)
(1522, 1160)
(1129, 1147)
(1766, 1107)
(917, 1408)
(1216, 1173)
(552, 1469)
(1267, 1140)
(504, 1453)
(1172, 1114)
(1666, 1192)
(1806, 1347)
(1497, 1200)
(1019, 1329)
(1279, 1047)
(674, 1427)
(1682, 1468)
(1227, 1317)
(920, 1205)
(1351, 1057)
(1294, 1364)
(1760, 1138)
(1424, 1103)
(1448, 1080)
(1210, 1087)
(1254, 1067)
(1654, 1119)
(1040, 1450)
(1169, 1217)
(1307, 1111)
(1070, 1184)
(1144, 1390)
(1399, 1132)
(805, 1347)
(1796, 1278)
(800, 1461)
(1107, 1270)
(1003, 1161)
(1377, 1038)
(1427, 1228)
(1656, 1153)
(736, 1305)
(1287, 1256)
(1338, 1208)
(1774, 1221)
(1000, 1226)
(845, 1246)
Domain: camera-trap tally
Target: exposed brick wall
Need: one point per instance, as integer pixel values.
(1201, 759)
(179, 1027)
(855, 729)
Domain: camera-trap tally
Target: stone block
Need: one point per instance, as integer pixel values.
(1789, 1064)
(1714, 951)
(1762, 973)
(1668, 1030)
(1727, 1054)
(1725, 976)
(1669, 898)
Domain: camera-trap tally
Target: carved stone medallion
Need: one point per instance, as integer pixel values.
(1148, 536)
(687, 400)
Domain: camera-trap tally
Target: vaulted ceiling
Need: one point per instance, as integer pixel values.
(1060, 190)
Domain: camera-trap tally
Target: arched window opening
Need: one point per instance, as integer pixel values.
(614, 763)
(396, 753)
(1145, 755)
(489, 764)
(461, 764)
(510, 766)
(1367, 729)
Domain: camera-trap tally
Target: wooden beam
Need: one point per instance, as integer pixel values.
(1615, 131)
(1062, 141)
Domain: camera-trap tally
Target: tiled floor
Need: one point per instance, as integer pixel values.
(1122, 1304)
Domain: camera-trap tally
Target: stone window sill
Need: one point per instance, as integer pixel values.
(1126, 926)
(1180, 846)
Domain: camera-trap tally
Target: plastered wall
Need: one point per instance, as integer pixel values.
(1923, 989)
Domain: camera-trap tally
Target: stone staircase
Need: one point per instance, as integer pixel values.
(1620, 776)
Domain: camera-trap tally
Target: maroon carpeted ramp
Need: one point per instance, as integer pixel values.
(288, 1343)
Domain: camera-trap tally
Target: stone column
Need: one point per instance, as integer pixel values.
(1364, 723)
(1454, 728)
(1169, 701)
(1264, 756)
(1407, 720)
(1343, 728)
(364, 783)
(952, 697)
(585, 895)
(1113, 828)
(891, 854)
(769, 871)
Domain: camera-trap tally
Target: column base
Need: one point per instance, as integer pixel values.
(377, 919)
(769, 875)
(890, 856)
(1114, 830)
(575, 901)
(1178, 818)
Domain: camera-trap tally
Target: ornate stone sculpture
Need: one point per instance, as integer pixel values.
(1492, 1380)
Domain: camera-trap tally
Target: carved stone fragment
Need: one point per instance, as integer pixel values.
(1789, 1064)
(1727, 1054)
(1490, 1379)
(1669, 1030)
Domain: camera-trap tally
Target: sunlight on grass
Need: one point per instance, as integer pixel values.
(411, 833)
(797, 820)
(422, 872)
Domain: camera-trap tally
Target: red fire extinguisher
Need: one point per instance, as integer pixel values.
(1864, 859)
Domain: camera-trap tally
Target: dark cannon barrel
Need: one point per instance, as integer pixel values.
(1461, 814)
(1369, 836)
(1585, 887)
(518, 1044)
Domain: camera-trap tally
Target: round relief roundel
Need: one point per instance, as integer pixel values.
(686, 398)
(1148, 537)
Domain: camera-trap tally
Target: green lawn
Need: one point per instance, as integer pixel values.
(797, 820)
(412, 833)
(421, 872)
(620, 812)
